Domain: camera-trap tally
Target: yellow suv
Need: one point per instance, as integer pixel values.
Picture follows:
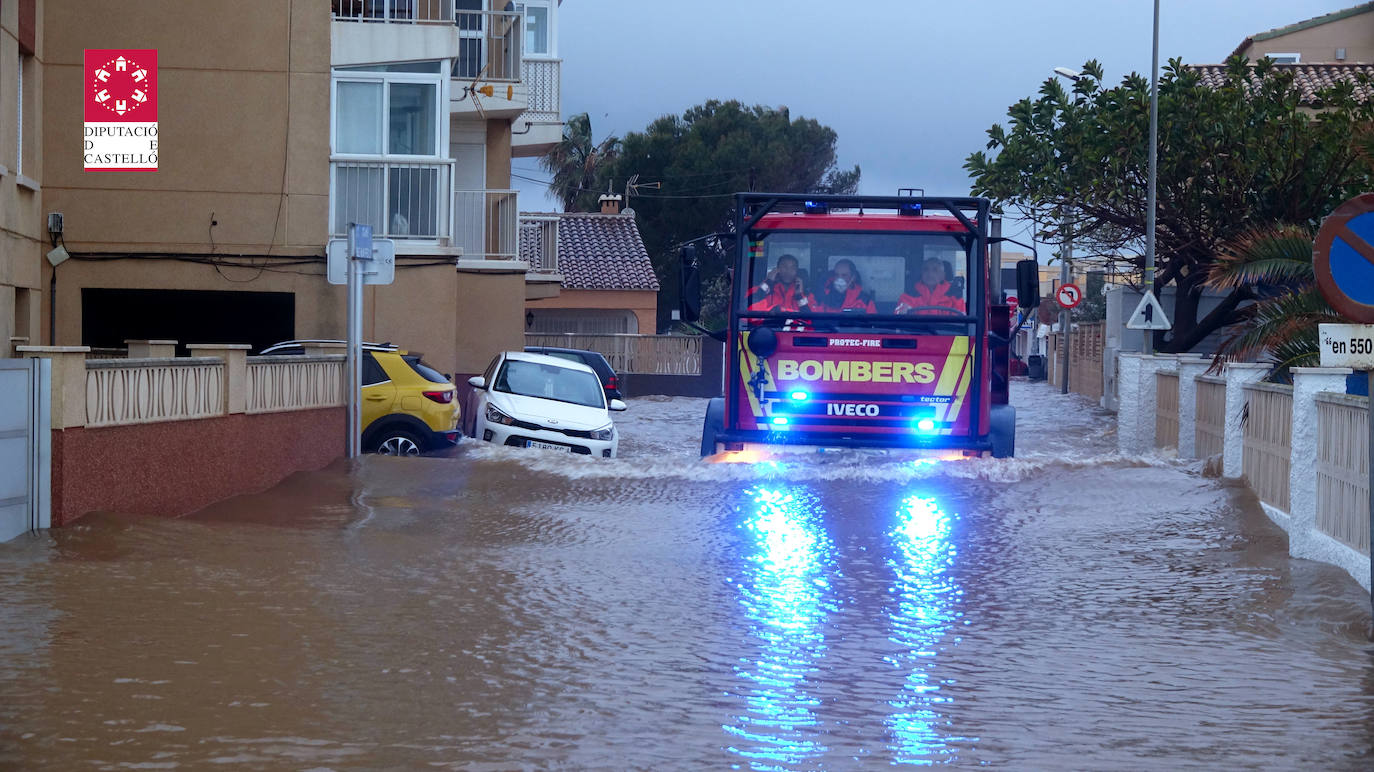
(408, 407)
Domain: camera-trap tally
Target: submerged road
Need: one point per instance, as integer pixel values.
(496, 608)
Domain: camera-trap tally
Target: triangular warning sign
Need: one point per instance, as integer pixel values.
(1149, 315)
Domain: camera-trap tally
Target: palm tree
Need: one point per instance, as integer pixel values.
(576, 160)
(1282, 323)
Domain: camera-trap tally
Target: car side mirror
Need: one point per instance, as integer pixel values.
(1028, 283)
(477, 382)
(619, 406)
(690, 299)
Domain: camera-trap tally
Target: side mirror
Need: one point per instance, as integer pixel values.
(619, 406)
(690, 296)
(763, 342)
(1028, 283)
(477, 382)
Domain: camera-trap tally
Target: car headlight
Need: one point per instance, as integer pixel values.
(604, 435)
(497, 417)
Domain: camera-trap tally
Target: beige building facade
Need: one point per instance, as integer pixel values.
(22, 237)
(1346, 35)
(280, 122)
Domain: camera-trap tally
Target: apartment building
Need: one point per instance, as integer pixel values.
(280, 122)
(22, 240)
(1344, 36)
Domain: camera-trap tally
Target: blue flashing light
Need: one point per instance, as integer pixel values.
(926, 425)
(800, 396)
(816, 207)
(909, 210)
(779, 420)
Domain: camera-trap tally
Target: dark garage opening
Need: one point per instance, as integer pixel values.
(111, 316)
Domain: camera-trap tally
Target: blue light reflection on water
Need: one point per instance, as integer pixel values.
(786, 595)
(923, 613)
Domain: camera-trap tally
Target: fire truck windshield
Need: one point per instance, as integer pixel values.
(917, 274)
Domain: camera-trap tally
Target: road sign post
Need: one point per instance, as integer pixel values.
(1343, 260)
(359, 250)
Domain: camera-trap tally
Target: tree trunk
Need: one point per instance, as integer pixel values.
(1183, 339)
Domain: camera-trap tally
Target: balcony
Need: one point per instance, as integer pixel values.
(485, 224)
(541, 125)
(395, 11)
(539, 245)
(487, 70)
(401, 200)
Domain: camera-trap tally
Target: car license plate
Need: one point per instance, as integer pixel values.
(547, 446)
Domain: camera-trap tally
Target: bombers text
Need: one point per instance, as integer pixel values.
(856, 371)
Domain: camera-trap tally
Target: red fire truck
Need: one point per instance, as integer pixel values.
(861, 322)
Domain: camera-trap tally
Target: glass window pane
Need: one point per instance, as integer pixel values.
(358, 118)
(537, 29)
(413, 108)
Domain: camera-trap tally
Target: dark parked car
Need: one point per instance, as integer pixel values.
(609, 381)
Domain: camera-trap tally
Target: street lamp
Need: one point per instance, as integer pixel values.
(1149, 282)
(1065, 275)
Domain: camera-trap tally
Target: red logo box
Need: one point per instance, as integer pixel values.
(121, 85)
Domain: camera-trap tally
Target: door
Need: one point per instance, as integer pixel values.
(25, 446)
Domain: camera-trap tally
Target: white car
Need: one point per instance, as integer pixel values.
(538, 401)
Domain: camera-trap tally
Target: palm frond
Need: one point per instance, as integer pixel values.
(1265, 255)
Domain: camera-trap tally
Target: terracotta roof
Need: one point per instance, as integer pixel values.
(1305, 24)
(595, 251)
(1308, 78)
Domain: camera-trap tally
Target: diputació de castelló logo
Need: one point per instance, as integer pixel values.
(120, 95)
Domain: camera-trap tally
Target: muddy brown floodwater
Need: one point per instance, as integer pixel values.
(497, 609)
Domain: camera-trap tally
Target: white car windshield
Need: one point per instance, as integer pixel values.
(545, 381)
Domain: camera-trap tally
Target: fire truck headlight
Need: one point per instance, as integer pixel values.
(926, 425)
(779, 420)
(800, 396)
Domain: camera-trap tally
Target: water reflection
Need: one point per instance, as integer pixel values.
(786, 595)
(926, 599)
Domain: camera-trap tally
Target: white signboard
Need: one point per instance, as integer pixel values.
(381, 269)
(1347, 345)
(1149, 315)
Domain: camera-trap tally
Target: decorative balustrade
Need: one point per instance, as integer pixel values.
(280, 383)
(129, 391)
(645, 354)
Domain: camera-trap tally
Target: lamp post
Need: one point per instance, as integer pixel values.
(1149, 335)
(1065, 272)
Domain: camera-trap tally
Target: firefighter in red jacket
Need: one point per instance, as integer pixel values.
(932, 294)
(844, 291)
(781, 290)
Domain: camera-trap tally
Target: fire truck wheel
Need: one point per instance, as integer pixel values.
(714, 423)
(1003, 431)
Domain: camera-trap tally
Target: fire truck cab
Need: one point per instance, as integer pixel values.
(861, 322)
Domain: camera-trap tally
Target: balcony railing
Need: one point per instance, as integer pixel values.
(400, 200)
(489, 46)
(539, 243)
(395, 11)
(486, 223)
(544, 78)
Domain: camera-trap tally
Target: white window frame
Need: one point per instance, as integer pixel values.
(441, 80)
(552, 5)
(441, 96)
(1276, 56)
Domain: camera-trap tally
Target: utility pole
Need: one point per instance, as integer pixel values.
(1065, 322)
(1149, 335)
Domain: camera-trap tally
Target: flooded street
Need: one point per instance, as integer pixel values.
(497, 608)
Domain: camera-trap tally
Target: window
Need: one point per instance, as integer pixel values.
(1285, 58)
(388, 133)
(878, 273)
(373, 373)
(538, 29)
(532, 379)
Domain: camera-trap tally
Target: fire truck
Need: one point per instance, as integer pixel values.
(861, 322)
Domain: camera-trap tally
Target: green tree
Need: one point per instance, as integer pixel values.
(702, 158)
(1282, 323)
(1241, 154)
(577, 162)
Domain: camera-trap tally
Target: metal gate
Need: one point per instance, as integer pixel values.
(25, 446)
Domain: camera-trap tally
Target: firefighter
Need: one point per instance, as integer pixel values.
(844, 291)
(781, 290)
(933, 292)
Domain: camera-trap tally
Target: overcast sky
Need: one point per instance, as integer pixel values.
(909, 85)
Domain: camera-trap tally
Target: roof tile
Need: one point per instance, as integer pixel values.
(596, 251)
(1307, 78)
